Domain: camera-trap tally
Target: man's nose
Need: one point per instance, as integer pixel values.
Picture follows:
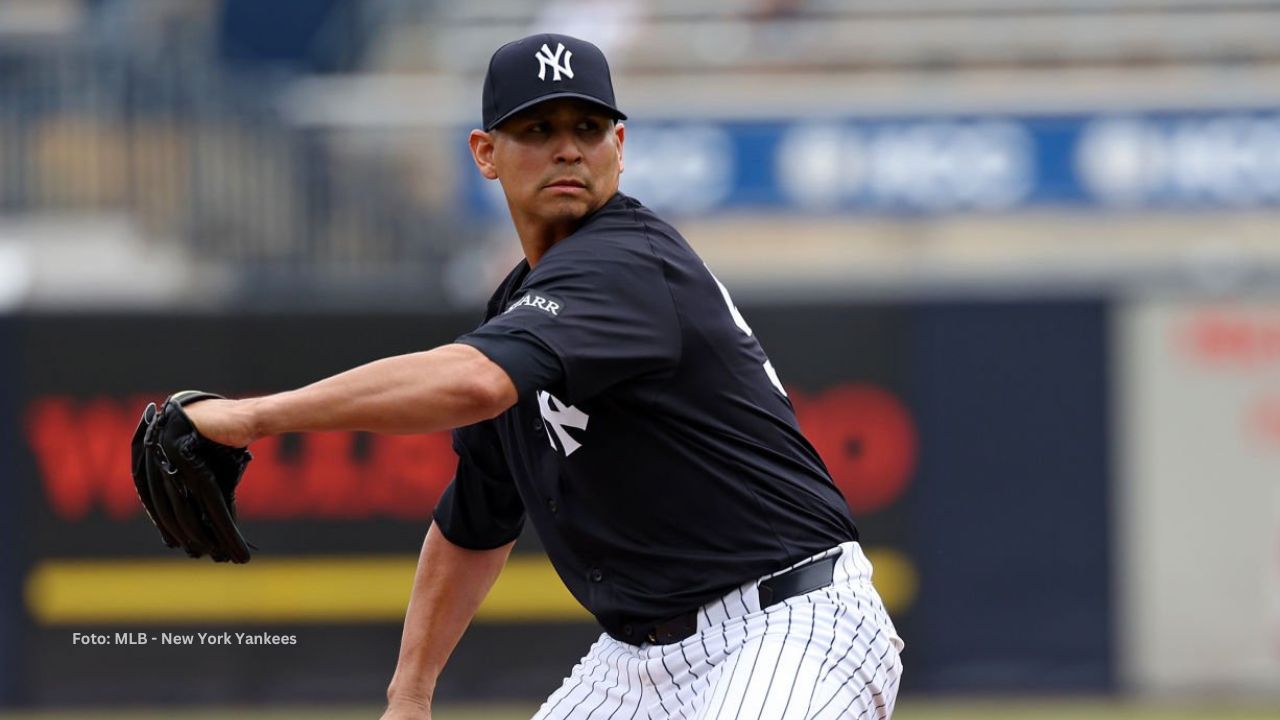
(566, 148)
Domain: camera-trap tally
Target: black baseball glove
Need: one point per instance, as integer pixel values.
(187, 482)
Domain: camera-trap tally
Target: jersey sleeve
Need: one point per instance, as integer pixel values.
(481, 509)
(594, 312)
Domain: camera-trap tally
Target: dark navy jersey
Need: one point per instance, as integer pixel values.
(652, 445)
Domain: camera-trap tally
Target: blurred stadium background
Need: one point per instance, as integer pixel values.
(1018, 262)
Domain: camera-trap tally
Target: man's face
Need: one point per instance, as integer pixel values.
(558, 161)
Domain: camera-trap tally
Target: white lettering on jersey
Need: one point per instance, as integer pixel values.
(538, 302)
(738, 320)
(745, 328)
(557, 416)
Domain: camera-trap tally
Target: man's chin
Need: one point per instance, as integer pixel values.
(567, 209)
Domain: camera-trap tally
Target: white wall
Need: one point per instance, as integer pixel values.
(1198, 517)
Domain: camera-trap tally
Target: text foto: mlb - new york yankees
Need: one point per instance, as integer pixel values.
(197, 638)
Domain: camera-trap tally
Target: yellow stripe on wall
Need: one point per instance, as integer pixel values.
(343, 589)
(321, 589)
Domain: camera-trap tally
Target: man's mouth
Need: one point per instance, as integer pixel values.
(567, 183)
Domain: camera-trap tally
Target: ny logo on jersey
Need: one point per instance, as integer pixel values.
(546, 57)
(556, 416)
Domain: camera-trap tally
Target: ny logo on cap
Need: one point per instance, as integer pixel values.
(545, 58)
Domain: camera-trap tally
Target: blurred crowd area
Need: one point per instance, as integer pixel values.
(311, 153)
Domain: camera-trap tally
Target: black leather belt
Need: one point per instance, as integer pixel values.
(797, 581)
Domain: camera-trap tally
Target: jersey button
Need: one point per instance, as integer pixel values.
(552, 505)
(597, 575)
(537, 426)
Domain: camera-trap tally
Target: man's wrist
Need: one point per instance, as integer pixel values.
(258, 417)
(409, 701)
(413, 683)
(410, 694)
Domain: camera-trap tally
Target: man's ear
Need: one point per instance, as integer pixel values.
(482, 153)
(621, 131)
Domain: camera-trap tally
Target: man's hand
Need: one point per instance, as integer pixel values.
(229, 422)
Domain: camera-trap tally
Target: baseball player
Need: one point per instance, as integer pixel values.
(616, 398)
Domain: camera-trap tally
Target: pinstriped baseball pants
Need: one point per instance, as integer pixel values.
(832, 653)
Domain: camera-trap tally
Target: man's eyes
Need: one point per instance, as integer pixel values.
(584, 126)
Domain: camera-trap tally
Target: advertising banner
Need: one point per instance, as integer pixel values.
(338, 518)
(12, 542)
(944, 164)
(970, 442)
(1200, 526)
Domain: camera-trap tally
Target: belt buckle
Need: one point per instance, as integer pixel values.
(674, 630)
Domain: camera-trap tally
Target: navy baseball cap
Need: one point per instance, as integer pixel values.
(544, 67)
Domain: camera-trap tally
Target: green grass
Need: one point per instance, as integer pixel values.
(1075, 710)
(908, 709)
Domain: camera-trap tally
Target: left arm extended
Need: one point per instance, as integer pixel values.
(451, 386)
